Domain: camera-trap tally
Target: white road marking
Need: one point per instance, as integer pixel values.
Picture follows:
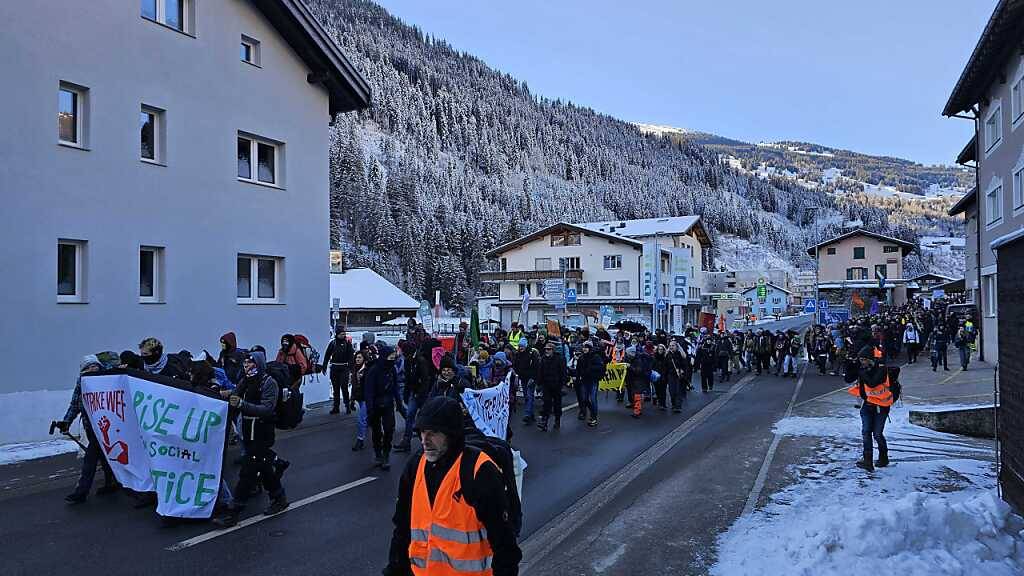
(546, 539)
(762, 474)
(260, 517)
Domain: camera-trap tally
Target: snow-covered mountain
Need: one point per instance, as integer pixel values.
(454, 158)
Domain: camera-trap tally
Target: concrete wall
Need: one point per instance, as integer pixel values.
(194, 206)
(833, 266)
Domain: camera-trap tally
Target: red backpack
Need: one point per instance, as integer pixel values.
(309, 352)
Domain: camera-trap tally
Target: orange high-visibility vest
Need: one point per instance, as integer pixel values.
(879, 395)
(447, 539)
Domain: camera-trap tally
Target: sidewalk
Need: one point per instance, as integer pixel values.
(936, 503)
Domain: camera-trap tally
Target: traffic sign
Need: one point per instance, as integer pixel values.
(570, 296)
(809, 307)
(823, 304)
(662, 304)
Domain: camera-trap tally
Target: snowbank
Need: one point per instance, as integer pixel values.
(967, 534)
(10, 453)
(934, 512)
(26, 416)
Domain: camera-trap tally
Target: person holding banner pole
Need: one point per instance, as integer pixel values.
(256, 398)
(525, 366)
(590, 368)
(93, 455)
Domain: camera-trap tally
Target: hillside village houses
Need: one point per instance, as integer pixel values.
(860, 267)
(604, 265)
(740, 280)
(145, 198)
(990, 93)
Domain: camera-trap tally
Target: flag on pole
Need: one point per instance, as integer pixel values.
(474, 328)
(525, 307)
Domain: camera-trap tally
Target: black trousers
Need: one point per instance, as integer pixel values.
(257, 469)
(552, 403)
(764, 363)
(707, 379)
(339, 382)
(382, 429)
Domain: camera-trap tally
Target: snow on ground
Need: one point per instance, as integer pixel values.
(934, 512)
(10, 453)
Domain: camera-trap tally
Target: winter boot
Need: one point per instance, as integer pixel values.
(865, 462)
(542, 425)
(385, 463)
(76, 497)
(592, 422)
(582, 415)
(528, 419)
(277, 505)
(883, 459)
(358, 445)
(228, 519)
(558, 422)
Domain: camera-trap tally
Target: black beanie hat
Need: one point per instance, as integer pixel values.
(867, 352)
(441, 414)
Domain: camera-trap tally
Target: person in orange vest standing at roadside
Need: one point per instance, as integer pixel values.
(452, 515)
(873, 388)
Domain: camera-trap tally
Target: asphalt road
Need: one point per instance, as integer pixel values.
(340, 519)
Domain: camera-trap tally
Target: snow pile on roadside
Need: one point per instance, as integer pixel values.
(11, 453)
(934, 512)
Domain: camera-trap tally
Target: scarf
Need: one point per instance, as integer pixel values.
(159, 366)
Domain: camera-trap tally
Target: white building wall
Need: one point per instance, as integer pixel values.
(194, 206)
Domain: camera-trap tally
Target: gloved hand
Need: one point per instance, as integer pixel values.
(63, 426)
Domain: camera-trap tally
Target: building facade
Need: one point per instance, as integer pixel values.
(803, 286)
(739, 280)
(775, 302)
(604, 268)
(153, 160)
(860, 269)
(990, 91)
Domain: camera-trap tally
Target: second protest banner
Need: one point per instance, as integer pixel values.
(159, 438)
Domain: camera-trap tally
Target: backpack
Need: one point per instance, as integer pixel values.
(501, 453)
(309, 352)
(289, 410)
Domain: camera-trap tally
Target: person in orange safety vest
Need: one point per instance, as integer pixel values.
(872, 387)
(452, 514)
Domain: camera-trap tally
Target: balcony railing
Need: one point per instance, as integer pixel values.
(529, 275)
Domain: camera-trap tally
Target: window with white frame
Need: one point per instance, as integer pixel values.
(259, 279)
(542, 263)
(177, 14)
(994, 126)
(582, 288)
(570, 262)
(71, 110)
(504, 264)
(524, 289)
(989, 295)
(151, 259)
(1018, 187)
(613, 262)
(249, 50)
(151, 134)
(71, 271)
(994, 204)
(259, 160)
(622, 287)
(604, 288)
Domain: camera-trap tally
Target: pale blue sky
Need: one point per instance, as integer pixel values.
(870, 75)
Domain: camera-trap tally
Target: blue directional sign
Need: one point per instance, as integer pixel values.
(662, 304)
(570, 296)
(809, 307)
(823, 304)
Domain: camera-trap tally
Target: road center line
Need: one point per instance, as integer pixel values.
(545, 540)
(260, 517)
(762, 474)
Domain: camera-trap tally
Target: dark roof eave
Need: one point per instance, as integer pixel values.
(498, 250)
(969, 153)
(1001, 35)
(907, 247)
(964, 203)
(347, 89)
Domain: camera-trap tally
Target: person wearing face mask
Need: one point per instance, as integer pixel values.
(156, 362)
(292, 355)
(358, 373)
(452, 513)
(449, 383)
(230, 357)
(256, 399)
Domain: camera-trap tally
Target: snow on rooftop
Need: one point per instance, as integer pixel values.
(364, 289)
(644, 226)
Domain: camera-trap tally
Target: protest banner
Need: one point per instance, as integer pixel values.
(489, 408)
(614, 376)
(159, 436)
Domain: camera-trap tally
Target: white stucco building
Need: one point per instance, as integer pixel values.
(164, 172)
